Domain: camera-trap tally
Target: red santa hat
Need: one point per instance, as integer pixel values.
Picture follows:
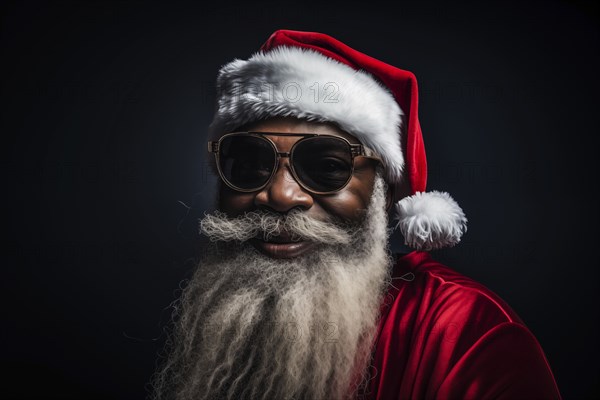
(313, 76)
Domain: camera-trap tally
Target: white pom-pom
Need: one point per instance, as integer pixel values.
(430, 220)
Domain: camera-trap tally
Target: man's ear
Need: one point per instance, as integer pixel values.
(389, 196)
(396, 191)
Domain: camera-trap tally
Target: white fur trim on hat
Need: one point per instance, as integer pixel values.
(290, 81)
(430, 220)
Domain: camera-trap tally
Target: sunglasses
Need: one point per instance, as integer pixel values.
(320, 163)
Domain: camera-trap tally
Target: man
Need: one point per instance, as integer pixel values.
(296, 295)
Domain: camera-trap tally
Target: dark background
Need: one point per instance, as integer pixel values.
(104, 109)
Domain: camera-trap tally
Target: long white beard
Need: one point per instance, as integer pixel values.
(251, 327)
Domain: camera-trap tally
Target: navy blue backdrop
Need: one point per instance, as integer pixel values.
(104, 110)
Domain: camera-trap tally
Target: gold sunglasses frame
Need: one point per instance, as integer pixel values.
(356, 150)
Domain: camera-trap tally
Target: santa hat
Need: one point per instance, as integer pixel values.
(313, 76)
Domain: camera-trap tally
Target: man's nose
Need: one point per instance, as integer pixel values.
(283, 192)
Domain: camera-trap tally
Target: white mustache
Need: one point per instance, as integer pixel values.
(217, 226)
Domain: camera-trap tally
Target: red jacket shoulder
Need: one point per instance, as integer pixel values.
(446, 296)
(438, 324)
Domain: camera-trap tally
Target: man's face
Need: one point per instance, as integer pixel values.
(259, 320)
(283, 193)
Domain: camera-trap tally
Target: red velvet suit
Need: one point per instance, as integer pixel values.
(444, 336)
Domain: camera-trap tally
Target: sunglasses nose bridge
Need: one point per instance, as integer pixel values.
(283, 165)
(283, 192)
(283, 169)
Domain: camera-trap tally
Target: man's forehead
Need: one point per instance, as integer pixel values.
(294, 125)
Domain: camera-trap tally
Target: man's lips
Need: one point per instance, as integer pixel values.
(282, 246)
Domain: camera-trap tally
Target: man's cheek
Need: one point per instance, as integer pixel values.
(235, 203)
(344, 205)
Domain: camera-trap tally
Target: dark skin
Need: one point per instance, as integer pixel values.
(283, 193)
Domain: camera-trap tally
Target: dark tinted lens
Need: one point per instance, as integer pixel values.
(246, 161)
(323, 164)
